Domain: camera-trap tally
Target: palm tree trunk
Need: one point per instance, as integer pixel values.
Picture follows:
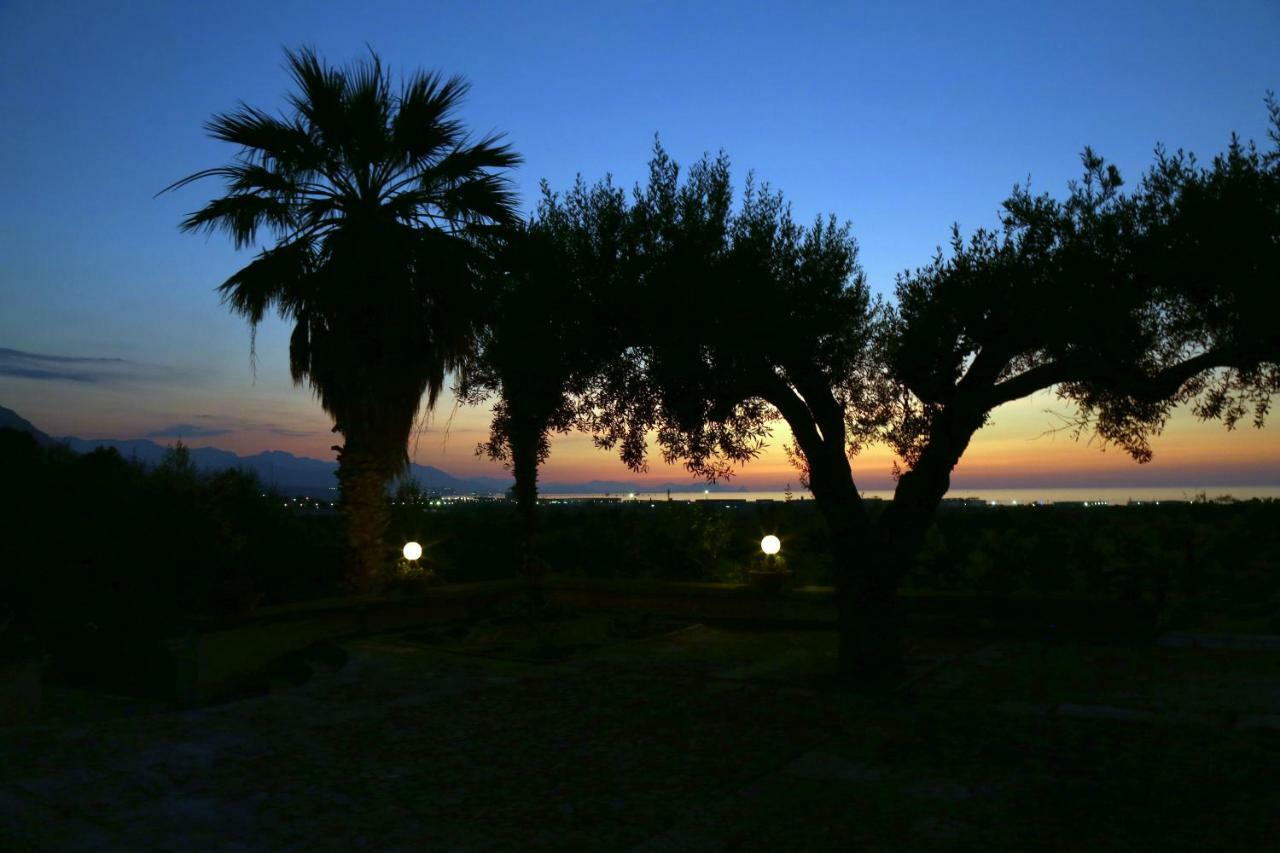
(362, 480)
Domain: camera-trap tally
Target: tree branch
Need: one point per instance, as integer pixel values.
(1144, 387)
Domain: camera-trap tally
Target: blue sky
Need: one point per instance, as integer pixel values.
(899, 117)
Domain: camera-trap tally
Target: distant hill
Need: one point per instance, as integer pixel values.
(284, 471)
(9, 419)
(300, 475)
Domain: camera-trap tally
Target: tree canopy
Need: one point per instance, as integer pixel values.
(735, 308)
(1128, 304)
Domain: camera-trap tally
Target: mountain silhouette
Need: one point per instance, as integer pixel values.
(301, 475)
(9, 419)
(286, 473)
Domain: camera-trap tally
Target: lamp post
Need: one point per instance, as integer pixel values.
(772, 577)
(411, 568)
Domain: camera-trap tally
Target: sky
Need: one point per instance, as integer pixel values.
(899, 117)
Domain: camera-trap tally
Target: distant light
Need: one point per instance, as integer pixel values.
(771, 544)
(412, 551)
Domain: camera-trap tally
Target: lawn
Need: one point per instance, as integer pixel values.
(672, 736)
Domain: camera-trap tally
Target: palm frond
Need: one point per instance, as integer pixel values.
(380, 206)
(469, 160)
(319, 99)
(300, 350)
(267, 139)
(485, 197)
(240, 216)
(267, 280)
(367, 105)
(421, 128)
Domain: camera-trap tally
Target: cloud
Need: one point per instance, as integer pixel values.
(291, 433)
(79, 369)
(187, 431)
(29, 365)
(213, 425)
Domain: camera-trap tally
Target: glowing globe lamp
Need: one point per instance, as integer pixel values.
(771, 545)
(412, 551)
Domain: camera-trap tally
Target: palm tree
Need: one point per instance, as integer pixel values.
(378, 204)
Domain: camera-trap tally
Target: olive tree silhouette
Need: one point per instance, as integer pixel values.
(751, 316)
(376, 201)
(1127, 305)
(550, 328)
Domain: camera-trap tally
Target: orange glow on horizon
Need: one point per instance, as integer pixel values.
(1017, 448)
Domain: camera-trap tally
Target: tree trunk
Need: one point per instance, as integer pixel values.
(525, 440)
(870, 563)
(362, 482)
(870, 633)
(868, 614)
(897, 538)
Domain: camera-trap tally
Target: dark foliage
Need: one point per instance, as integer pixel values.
(553, 311)
(757, 314)
(1191, 562)
(103, 557)
(666, 540)
(1196, 565)
(1127, 304)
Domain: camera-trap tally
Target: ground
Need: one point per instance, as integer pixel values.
(698, 738)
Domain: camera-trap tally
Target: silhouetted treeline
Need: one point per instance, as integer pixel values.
(104, 558)
(1192, 562)
(1189, 562)
(101, 555)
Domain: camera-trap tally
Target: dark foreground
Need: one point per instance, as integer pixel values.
(702, 738)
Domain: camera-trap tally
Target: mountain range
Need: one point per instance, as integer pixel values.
(300, 475)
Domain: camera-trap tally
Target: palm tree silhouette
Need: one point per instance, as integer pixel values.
(379, 205)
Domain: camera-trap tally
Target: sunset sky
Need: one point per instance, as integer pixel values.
(902, 118)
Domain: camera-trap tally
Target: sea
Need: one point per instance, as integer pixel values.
(1108, 495)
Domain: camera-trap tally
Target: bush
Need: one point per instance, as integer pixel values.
(102, 551)
(1187, 560)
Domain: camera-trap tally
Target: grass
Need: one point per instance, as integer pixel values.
(701, 738)
(556, 636)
